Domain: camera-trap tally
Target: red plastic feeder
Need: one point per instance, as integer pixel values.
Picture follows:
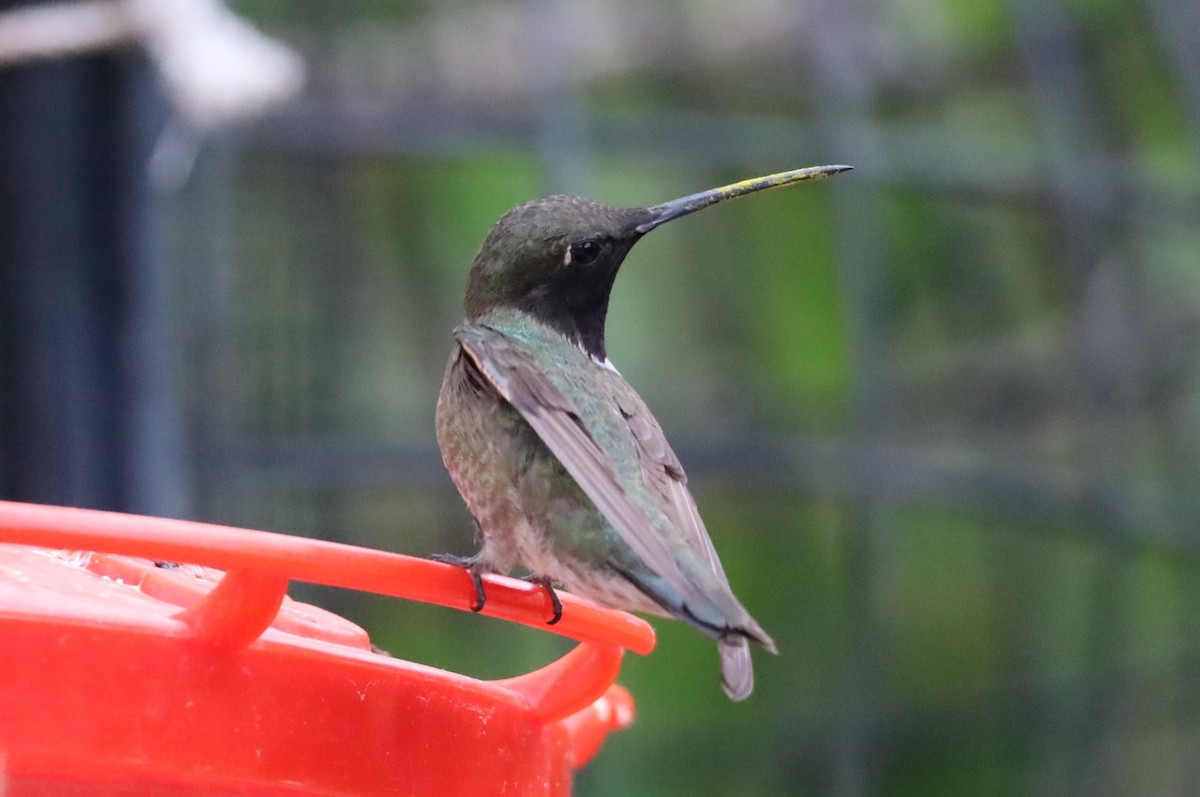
(121, 678)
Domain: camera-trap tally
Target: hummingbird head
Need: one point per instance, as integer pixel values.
(556, 258)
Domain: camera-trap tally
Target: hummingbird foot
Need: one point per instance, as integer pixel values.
(467, 563)
(547, 583)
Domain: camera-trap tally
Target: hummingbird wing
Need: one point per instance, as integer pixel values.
(664, 474)
(511, 371)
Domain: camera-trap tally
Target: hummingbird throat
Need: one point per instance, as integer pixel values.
(579, 313)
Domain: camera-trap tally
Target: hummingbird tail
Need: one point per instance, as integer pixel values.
(737, 670)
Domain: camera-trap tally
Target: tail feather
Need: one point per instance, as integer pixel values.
(718, 616)
(737, 670)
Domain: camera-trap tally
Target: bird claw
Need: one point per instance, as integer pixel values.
(469, 564)
(547, 583)
(466, 563)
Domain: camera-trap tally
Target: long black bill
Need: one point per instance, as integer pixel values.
(690, 204)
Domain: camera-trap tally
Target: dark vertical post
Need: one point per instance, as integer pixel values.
(87, 415)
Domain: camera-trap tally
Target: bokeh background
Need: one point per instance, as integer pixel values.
(941, 413)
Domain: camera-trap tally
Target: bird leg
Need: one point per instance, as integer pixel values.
(467, 563)
(547, 583)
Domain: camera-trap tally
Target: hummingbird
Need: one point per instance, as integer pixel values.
(562, 465)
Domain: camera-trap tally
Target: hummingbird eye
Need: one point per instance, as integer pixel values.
(584, 253)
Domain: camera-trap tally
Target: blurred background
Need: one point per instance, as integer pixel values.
(941, 413)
